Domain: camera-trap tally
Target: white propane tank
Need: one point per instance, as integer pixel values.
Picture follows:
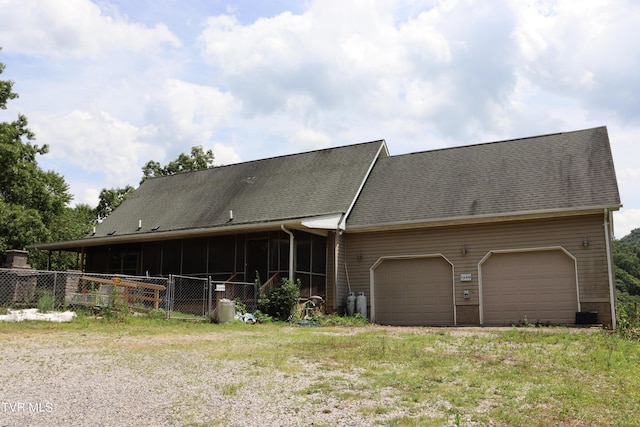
(351, 304)
(361, 304)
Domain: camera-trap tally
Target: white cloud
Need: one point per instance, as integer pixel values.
(74, 28)
(625, 221)
(95, 141)
(329, 62)
(178, 116)
(583, 49)
(224, 154)
(89, 196)
(186, 115)
(308, 139)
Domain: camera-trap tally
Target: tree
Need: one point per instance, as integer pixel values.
(31, 200)
(111, 199)
(626, 259)
(199, 159)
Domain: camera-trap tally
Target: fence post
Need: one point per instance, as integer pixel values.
(55, 296)
(209, 297)
(168, 297)
(255, 293)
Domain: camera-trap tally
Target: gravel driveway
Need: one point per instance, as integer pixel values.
(74, 379)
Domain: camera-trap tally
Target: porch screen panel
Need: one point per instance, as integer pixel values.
(194, 257)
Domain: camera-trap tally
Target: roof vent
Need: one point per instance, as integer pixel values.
(139, 224)
(155, 228)
(112, 233)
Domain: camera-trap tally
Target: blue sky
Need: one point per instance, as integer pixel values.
(109, 85)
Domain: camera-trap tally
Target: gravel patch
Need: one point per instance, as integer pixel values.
(92, 380)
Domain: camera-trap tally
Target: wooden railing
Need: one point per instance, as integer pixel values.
(269, 284)
(132, 291)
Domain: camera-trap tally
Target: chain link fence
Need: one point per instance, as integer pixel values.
(58, 290)
(179, 296)
(200, 297)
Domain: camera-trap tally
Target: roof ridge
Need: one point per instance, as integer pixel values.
(498, 141)
(269, 158)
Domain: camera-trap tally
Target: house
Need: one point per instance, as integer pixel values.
(487, 234)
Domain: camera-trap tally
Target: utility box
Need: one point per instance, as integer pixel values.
(586, 317)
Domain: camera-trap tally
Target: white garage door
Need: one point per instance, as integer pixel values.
(537, 285)
(417, 291)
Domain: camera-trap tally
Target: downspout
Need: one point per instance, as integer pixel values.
(612, 294)
(291, 248)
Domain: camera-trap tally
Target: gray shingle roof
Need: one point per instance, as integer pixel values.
(563, 171)
(269, 190)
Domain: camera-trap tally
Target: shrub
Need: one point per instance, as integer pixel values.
(628, 326)
(45, 301)
(337, 320)
(262, 317)
(281, 302)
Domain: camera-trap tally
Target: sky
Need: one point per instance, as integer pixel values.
(112, 84)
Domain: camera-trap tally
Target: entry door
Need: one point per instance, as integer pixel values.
(257, 260)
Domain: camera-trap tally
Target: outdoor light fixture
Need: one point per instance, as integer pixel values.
(359, 255)
(585, 242)
(463, 249)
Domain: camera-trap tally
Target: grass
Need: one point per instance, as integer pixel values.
(449, 376)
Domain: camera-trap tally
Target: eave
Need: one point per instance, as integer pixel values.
(316, 225)
(480, 219)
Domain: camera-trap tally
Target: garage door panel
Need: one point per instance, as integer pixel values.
(414, 292)
(536, 285)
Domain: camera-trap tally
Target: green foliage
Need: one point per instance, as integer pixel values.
(262, 317)
(626, 259)
(111, 199)
(45, 301)
(118, 311)
(199, 159)
(337, 320)
(281, 302)
(6, 90)
(241, 308)
(31, 199)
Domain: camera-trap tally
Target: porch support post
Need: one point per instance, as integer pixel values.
(291, 253)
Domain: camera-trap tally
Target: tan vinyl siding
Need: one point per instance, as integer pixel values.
(479, 240)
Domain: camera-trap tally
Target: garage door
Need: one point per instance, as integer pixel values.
(416, 291)
(538, 286)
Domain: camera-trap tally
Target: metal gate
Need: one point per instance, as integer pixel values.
(194, 297)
